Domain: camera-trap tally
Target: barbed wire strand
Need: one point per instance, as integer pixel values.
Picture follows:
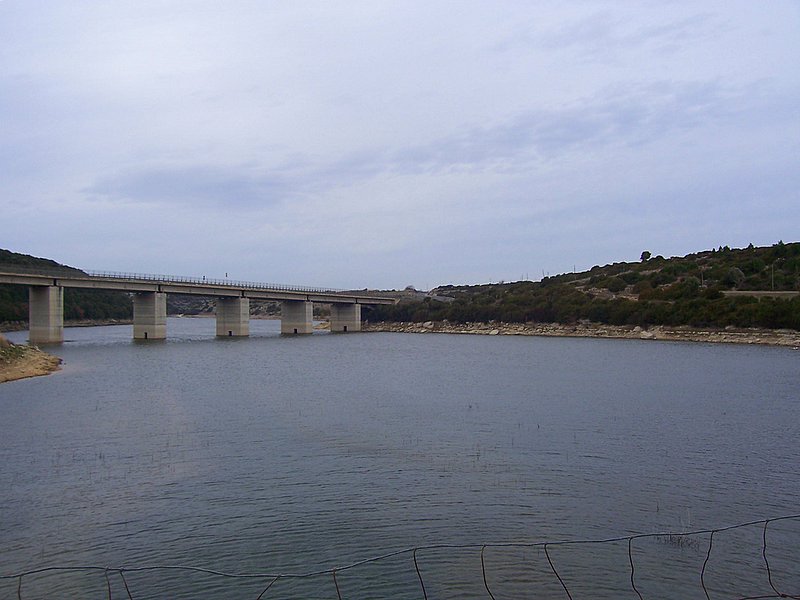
(125, 583)
(552, 566)
(108, 583)
(766, 561)
(261, 595)
(336, 584)
(274, 577)
(405, 551)
(419, 575)
(633, 570)
(705, 562)
(766, 564)
(483, 570)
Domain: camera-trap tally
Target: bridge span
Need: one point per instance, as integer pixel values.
(46, 302)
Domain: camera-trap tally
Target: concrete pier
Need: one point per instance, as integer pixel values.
(297, 317)
(46, 314)
(345, 317)
(149, 316)
(233, 317)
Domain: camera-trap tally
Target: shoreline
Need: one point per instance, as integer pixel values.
(730, 335)
(768, 337)
(19, 361)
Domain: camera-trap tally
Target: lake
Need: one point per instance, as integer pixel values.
(292, 455)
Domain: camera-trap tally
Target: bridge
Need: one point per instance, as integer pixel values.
(46, 301)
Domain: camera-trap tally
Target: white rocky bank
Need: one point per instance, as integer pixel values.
(779, 337)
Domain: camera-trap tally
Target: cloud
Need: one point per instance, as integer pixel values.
(607, 32)
(627, 117)
(199, 186)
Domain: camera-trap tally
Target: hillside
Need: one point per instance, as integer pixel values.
(715, 288)
(78, 304)
(705, 289)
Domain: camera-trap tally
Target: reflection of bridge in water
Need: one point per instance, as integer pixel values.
(46, 302)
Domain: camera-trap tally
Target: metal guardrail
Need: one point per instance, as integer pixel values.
(13, 269)
(71, 272)
(250, 285)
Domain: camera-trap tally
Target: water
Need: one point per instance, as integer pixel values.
(294, 455)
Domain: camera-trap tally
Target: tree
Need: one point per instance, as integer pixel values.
(645, 256)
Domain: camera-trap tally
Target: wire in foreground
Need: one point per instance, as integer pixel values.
(419, 575)
(766, 564)
(336, 583)
(483, 570)
(261, 595)
(552, 566)
(705, 562)
(633, 570)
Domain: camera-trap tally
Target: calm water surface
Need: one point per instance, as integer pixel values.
(292, 455)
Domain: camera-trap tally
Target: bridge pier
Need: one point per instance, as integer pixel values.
(46, 314)
(233, 317)
(149, 316)
(297, 317)
(345, 317)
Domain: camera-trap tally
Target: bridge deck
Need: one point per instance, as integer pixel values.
(191, 286)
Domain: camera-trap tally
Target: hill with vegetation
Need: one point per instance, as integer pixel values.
(79, 304)
(717, 288)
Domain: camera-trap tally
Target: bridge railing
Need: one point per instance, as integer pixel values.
(235, 283)
(61, 271)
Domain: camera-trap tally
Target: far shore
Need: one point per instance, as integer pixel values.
(769, 337)
(728, 335)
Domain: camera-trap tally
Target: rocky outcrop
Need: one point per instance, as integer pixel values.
(18, 361)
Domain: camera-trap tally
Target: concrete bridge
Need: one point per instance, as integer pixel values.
(46, 302)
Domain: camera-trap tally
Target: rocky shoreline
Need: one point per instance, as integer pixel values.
(770, 337)
(18, 361)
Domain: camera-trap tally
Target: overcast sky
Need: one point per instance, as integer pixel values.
(381, 144)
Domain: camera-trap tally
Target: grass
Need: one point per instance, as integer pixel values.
(12, 352)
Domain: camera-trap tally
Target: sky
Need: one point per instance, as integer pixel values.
(384, 144)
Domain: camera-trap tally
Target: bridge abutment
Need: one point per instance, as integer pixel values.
(46, 314)
(149, 316)
(345, 317)
(233, 317)
(297, 317)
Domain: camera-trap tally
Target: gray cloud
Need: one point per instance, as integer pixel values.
(604, 32)
(196, 186)
(630, 117)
